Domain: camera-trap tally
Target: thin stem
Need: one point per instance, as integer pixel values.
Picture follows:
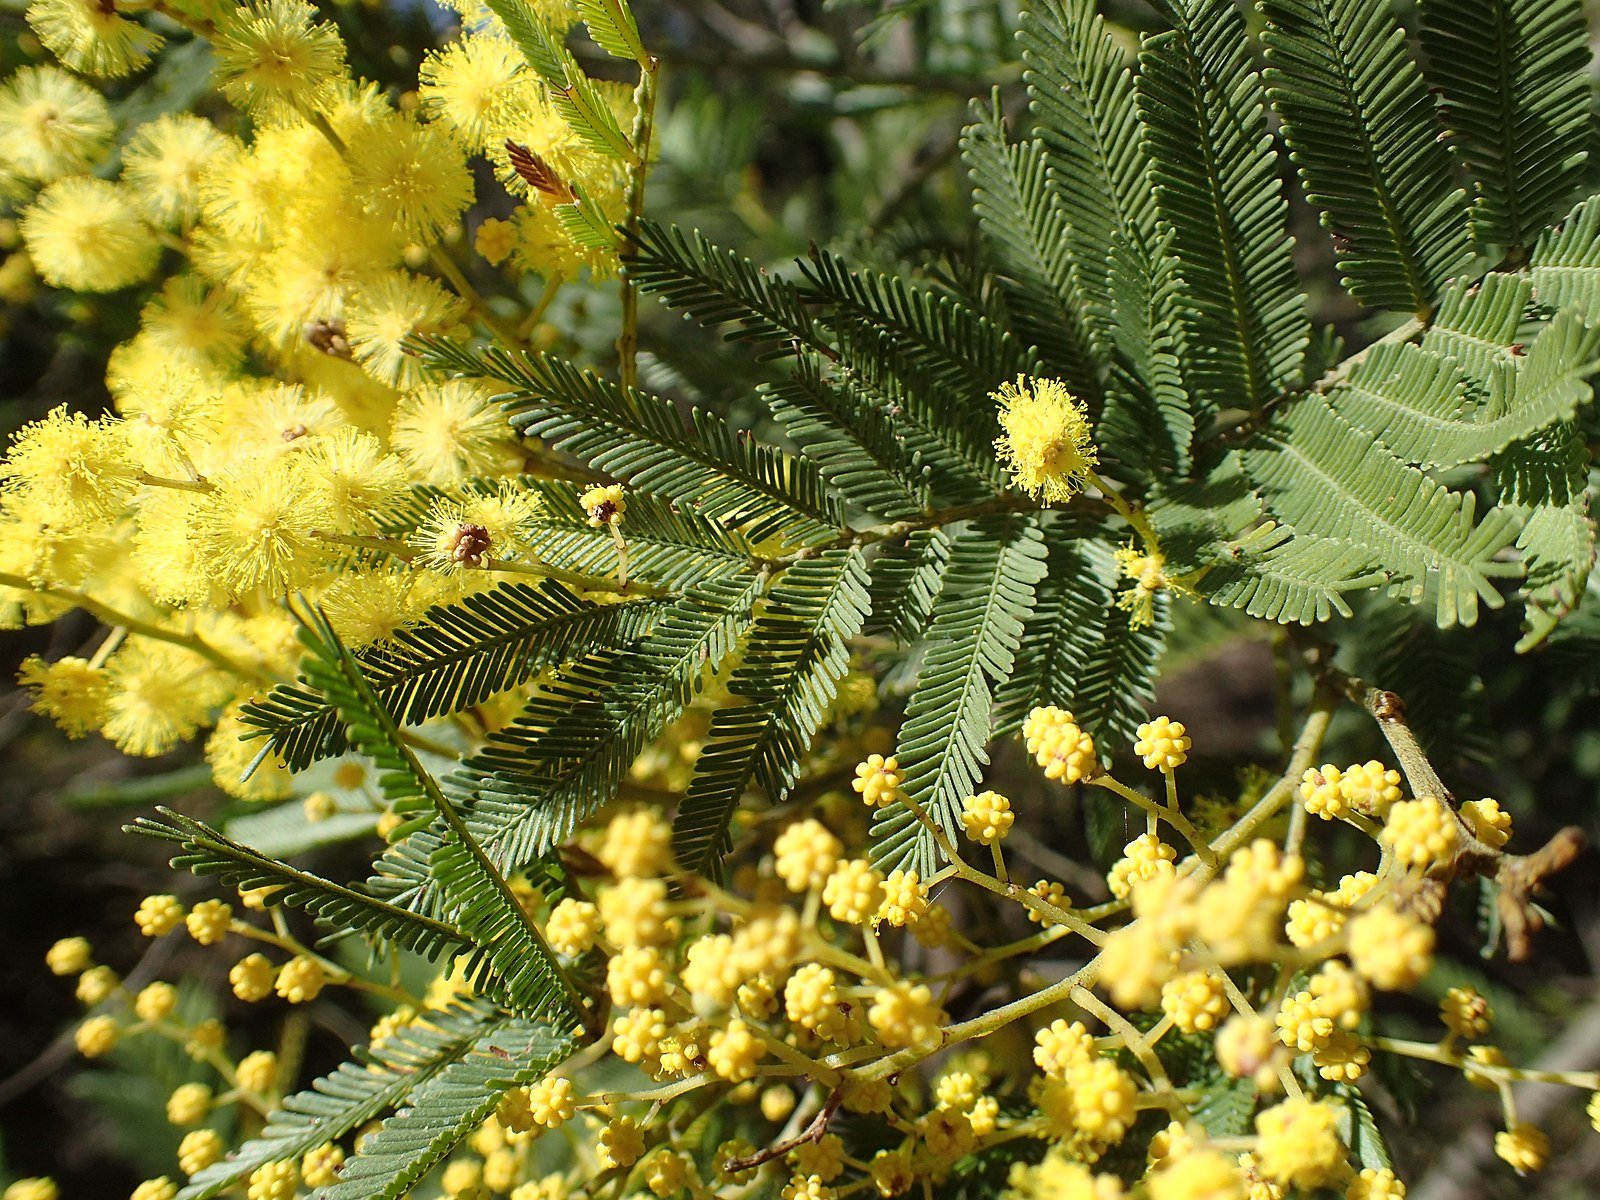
(643, 132)
(982, 1026)
(107, 615)
(1134, 517)
(475, 301)
(1171, 816)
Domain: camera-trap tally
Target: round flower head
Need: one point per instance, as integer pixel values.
(165, 161)
(386, 311)
(467, 84)
(410, 176)
(195, 328)
(72, 690)
(52, 124)
(276, 60)
(259, 528)
(90, 37)
(84, 234)
(605, 505)
(449, 431)
(1046, 443)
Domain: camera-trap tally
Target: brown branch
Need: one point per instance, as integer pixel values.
(811, 1133)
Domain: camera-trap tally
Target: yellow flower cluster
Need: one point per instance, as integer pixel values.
(271, 428)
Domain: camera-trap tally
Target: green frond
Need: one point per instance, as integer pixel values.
(970, 645)
(341, 1102)
(1549, 468)
(585, 220)
(1204, 127)
(572, 93)
(207, 852)
(1558, 545)
(1514, 86)
(1362, 130)
(610, 23)
(958, 347)
(443, 1109)
(511, 958)
(721, 287)
(854, 443)
(1418, 404)
(669, 546)
(1025, 230)
(905, 582)
(794, 656)
(1278, 575)
(1478, 322)
(706, 466)
(1565, 264)
(567, 752)
(1078, 651)
(1148, 422)
(1195, 520)
(1081, 91)
(1323, 476)
(457, 656)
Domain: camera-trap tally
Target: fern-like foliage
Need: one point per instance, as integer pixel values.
(457, 656)
(1564, 267)
(1081, 89)
(794, 656)
(1026, 231)
(380, 1079)
(511, 958)
(1272, 573)
(444, 1108)
(1325, 477)
(336, 907)
(1361, 126)
(1513, 77)
(1204, 125)
(985, 596)
(567, 752)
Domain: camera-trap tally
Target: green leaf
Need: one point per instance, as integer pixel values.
(1513, 78)
(1324, 477)
(710, 467)
(1279, 575)
(443, 1109)
(957, 346)
(1565, 263)
(567, 752)
(1361, 128)
(854, 444)
(1557, 543)
(1025, 230)
(512, 960)
(1418, 403)
(905, 583)
(1204, 128)
(1081, 89)
(794, 656)
(611, 25)
(456, 657)
(572, 93)
(334, 906)
(1148, 420)
(1479, 323)
(970, 648)
(380, 1079)
(720, 287)
(669, 546)
(586, 222)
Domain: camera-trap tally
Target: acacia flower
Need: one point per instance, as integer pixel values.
(1046, 441)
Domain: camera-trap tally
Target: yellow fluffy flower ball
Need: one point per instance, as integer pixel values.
(1046, 440)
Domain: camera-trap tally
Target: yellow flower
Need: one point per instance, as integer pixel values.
(447, 432)
(158, 915)
(736, 1051)
(573, 926)
(467, 84)
(987, 817)
(90, 37)
(85, 234)
(385, 311)
(637, 843)
(52, 124)
(1163, 743)
(411, 177)
(1524, 1146)
(70, 690)
(1390, 949)
(164, 163)
(275, 59)
(806, 854)
(69, 956)
(1422, 832)
(1046, 443)
(1299, 1143)
(605, 505)
(198, 1150)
